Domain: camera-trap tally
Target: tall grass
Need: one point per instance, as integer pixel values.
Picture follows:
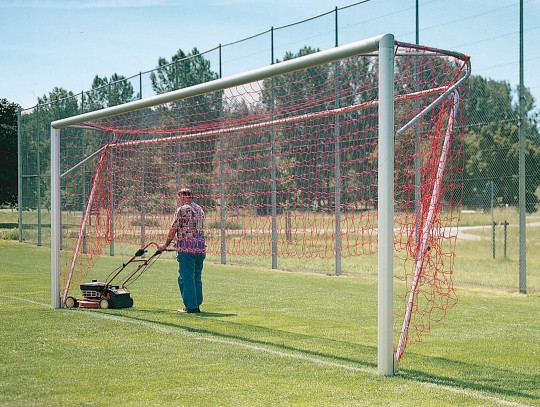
(474, 263)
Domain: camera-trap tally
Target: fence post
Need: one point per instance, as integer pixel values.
(492, 223)
(56, 140)
(219, 62)
(522, 193)
(505, 224)
(223, 203)
(176, 83)
(273, 167)
(274, 188)
(336, 26)
(142, 207)
(337, 180)
(417, 147)
(111, 199)
(337, 174)
(272, 45)
(38, 164)
(19, 173)
(84, 247)
(140, 85)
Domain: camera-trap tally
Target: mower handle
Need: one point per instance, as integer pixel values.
(140, 252)
(144, 249)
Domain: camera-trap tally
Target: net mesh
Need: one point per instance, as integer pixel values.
(285, 166)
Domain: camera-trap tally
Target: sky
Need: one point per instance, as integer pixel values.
(66, 43)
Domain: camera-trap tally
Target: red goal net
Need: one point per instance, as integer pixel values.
(284, 167)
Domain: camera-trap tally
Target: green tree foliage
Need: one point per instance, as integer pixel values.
(194, 114)
(35, 134)
(183, 71)
(58, 104)
(108, 92)
(492, 146)
(8, 152)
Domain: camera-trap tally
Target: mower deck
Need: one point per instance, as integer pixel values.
(97, 294)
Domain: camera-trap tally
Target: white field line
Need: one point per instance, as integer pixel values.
(322, 362)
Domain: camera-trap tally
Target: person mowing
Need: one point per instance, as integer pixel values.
(188, 229)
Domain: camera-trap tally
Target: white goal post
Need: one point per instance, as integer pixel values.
(384, 47)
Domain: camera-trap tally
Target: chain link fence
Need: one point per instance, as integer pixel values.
(489, 232)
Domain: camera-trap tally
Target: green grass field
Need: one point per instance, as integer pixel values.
(264, 338)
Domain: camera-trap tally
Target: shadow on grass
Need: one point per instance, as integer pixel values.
(327, 357)
(201, 314)
(215, 314)
(499, 382)
(495, 382)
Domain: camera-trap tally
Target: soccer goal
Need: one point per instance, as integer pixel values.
(344, 153)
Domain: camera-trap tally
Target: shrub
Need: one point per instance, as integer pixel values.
(9, 234)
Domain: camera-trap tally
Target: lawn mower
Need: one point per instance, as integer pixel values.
(97, 294)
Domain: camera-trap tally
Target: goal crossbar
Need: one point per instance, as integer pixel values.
(322, 57)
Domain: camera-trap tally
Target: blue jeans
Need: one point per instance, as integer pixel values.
(190, 267)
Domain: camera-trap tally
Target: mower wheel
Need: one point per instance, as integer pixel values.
(71, 302)
(104, 303)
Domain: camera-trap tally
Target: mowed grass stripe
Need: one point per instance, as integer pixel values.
(176, 331)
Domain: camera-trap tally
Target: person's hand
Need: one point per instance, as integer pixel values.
(162, 248)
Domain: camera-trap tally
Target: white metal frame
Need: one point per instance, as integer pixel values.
(384, 44)
(385, 184)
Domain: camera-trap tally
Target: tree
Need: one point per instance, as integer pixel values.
(492, 146)
(183, 71)
(60, 103)
(108, 92)
(192, 114)
(8, 152)
(36, 133)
